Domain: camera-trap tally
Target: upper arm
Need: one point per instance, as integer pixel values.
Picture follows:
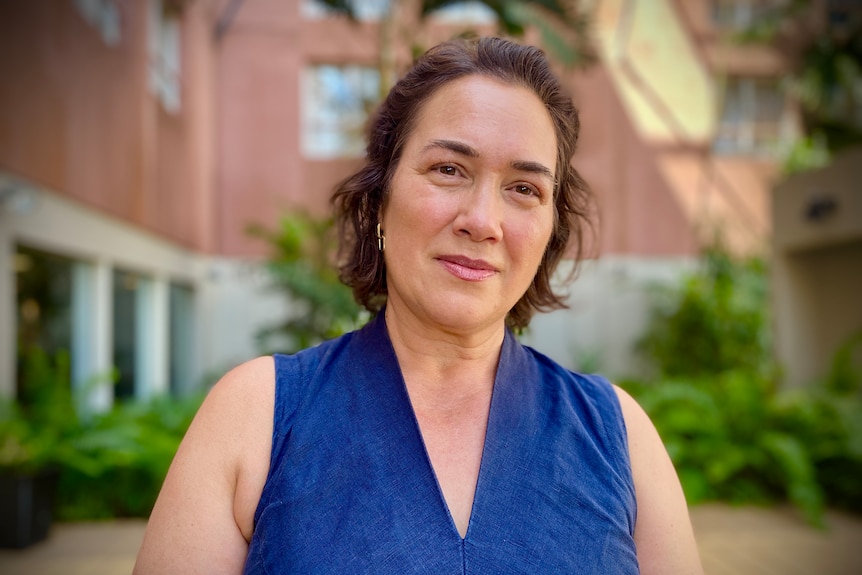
(203, 517)
(663, 534)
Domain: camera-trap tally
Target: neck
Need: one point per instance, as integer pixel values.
(444, 369)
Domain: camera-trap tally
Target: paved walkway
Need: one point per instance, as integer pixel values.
(737, 541)
(757, 541)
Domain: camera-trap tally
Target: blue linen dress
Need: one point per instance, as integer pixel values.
(351, 488)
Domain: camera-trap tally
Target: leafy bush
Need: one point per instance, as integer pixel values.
(733, 438)
(35, 432)
(717, 321)
(128, 450)
(827, 418)
(732, 433)
(109, 464)
(302, 267)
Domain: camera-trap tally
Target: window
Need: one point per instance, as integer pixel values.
(126, 288)
(108, 320)
(165, 54)
(336, 104)
(475, 13)
(842, 90)
(367, 10)
(181, 318)
(739, 15)
(43, 286)
(374, 10)
(752, 116)
(104, 16)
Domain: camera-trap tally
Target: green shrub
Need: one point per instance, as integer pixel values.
(715, 322)
(36, 432)
(827, 418)
(732, 433)
(732, 439)
(109, 464)
(301, 266)
(129, 449)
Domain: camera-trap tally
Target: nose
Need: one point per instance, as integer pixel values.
(480, 214)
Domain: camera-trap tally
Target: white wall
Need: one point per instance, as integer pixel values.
(609, 307)
(817, 266)
(817, 297)
(233, 303)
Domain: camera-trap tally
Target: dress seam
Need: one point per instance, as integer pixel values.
(463, 556)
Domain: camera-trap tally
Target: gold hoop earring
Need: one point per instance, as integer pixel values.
(381, 239)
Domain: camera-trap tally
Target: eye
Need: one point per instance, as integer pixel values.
(448, 170)
(526, 190)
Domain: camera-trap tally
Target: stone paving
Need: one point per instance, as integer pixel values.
(737, 541)
(775, 541)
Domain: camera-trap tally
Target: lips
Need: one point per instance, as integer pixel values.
(467, 269)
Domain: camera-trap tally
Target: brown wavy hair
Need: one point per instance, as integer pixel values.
(358, 201)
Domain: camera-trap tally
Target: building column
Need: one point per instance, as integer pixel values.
(152, 367)
(92, 303)
(8, 318)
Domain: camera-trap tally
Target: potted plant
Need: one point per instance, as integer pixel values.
(35, 441)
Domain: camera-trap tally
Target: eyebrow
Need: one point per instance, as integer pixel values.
(457, 147)
(533, 167)
(464, 149)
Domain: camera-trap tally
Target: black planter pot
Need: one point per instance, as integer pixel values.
(26, 502)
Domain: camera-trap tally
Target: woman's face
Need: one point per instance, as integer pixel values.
(470, 208)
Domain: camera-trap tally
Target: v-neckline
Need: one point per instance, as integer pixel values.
(487, 444)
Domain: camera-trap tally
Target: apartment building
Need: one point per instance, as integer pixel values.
(140, 138)
(683, 127)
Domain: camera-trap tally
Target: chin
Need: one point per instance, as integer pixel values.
(466, 315)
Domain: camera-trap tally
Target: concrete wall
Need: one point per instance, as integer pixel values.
(818, 306)
(817, 266)
(609, 307)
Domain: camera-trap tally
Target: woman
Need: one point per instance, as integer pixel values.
(431, 441)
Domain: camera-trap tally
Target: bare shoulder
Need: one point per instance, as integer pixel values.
(245, 390)
(644, 440)
(663, 532)
(203, 518)
(237, 416)
(633, 413)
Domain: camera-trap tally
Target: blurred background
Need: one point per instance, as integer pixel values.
(165, 171)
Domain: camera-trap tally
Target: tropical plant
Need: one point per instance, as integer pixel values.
(109, 464)
(829, 420)
(715, 322)
(715, 398)
(302, 267)
(731, 439)
(564, 26)
(36, 430)
(128, 451)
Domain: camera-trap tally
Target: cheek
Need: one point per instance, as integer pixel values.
(529, 239)
(414, 209)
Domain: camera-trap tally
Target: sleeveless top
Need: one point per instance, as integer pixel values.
(351, 488)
